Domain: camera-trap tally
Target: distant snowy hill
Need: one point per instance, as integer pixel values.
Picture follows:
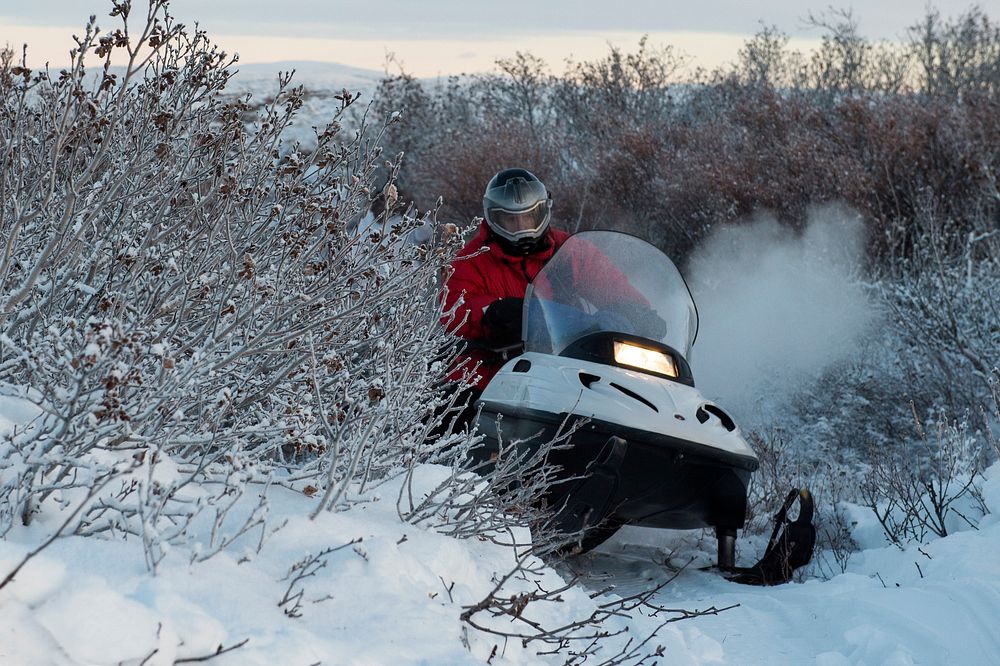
(313, 75)
(316, 76)
(323, 81)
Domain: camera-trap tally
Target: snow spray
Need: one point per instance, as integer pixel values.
(777, 308)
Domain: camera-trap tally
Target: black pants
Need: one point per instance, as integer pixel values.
(460, 415)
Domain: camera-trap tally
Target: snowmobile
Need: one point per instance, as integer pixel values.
(608, 329)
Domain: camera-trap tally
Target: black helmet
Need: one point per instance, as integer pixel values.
(517, 208)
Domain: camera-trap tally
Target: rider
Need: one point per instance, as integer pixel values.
(493, 270)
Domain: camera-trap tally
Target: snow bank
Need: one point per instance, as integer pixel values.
(930, 604)
(395, 598)
(391, 594)
(385, 592)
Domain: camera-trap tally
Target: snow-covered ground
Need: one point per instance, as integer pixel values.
(392, 593)
(931, 604)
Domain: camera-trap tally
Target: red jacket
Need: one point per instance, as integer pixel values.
(482, 279)
(483, 273)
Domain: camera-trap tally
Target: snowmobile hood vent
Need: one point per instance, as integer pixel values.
(635, 396)
(708, 408)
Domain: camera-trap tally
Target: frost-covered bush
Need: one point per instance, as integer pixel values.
(946, 306)
(930, 488)
(186, 305)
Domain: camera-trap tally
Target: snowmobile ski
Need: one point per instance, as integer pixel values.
(790, 546)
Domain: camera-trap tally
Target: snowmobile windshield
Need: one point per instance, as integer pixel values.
(606, 281)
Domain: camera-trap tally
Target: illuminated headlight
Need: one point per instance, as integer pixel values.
(650, 360)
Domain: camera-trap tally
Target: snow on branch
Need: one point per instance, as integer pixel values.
(185, 297)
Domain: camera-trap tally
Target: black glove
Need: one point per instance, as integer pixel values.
(502, 321)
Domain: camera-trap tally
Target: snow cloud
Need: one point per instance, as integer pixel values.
(777, 308)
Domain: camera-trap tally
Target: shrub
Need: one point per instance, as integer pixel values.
(630, 141)
(185, 303)
(929, 487)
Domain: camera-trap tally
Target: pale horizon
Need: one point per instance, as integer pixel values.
(418, 57)
(427, 45)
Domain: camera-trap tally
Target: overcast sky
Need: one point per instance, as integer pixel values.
(446, 36)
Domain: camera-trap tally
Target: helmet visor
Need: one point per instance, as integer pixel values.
(521, 223)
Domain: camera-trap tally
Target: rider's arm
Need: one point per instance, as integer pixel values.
(470, 286)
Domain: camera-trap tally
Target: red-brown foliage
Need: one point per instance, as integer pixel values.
(622, 145)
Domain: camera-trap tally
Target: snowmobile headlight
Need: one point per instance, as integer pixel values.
(650, 360)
